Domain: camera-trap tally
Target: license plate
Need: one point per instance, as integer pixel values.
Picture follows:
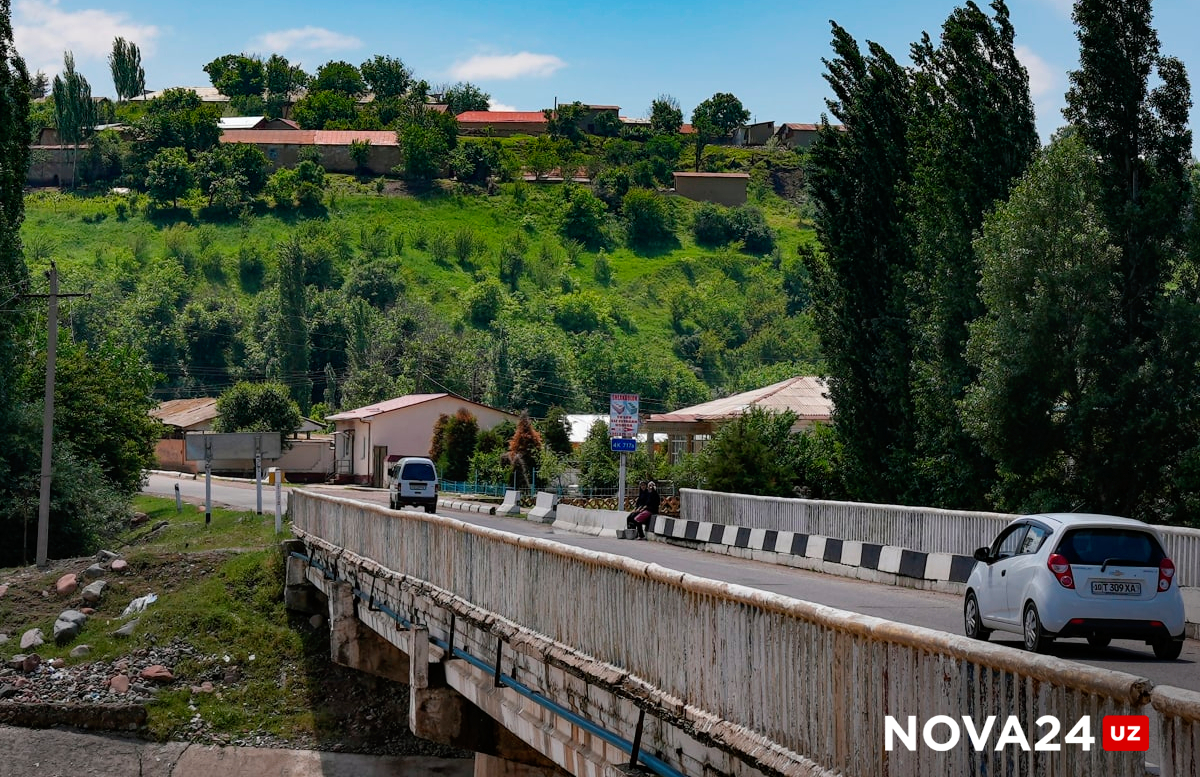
(1117, 587)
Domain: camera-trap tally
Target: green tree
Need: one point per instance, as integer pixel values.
(556, 431)
(648, 220)
(598, 465)
(607, 125)
(564, 121)
(258, 407)
(325, 109)
(751, 454)
(125, 62)
(360, 153)
(340, 77)
(716, 118)
(291, 327)
(14, 162)
(75, 113)
(241, 163)
(386, 76)
(971, 136)
(666, 117)
(464, 96)
(583, 217)
(177, 118)
(1050, 285)
(39, 85)
(1140, 137)
(427, 140)
(858, 178)
(102, 404)
(169, 176)
(281, 79)
(455, 442)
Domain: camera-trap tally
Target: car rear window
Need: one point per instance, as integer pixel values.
(1093, 547)
(418, 470)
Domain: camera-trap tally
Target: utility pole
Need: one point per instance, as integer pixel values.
(43, 538)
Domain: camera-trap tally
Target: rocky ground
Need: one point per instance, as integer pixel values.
(360, 713)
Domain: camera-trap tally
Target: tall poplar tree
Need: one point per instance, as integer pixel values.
(291, 331)
(858, 177)
(125, 62)
(1140, 138)
(14, 162)
(73, 107)
(972, 133)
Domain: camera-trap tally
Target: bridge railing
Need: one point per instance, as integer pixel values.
(924, 529)
(786, 679)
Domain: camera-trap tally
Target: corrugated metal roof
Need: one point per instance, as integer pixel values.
(270, 136)
(344, 137)
(240, 122)
(712, 175)
(186, 413)
(500, 117)
(806, 396)
(386, 406)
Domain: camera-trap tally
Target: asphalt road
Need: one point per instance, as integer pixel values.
(920, 608)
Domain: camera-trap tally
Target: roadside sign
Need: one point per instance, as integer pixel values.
(237, 445)
(623, 444)
(623, 415)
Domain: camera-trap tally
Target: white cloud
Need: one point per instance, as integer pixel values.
(42, 31)
(1042, 79)
(305, 39)
(483, 67)
(493, 105)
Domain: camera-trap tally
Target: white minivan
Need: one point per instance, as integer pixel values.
(414, 482)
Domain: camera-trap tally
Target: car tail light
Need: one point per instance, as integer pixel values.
(1061, 568)
(1166, 573)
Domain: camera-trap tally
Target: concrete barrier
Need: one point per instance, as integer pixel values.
(467, 507)
(511, 504)
(917, 547)
(601, 523)
(543, 510)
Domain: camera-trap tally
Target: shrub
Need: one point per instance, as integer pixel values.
(583, 218)
(602, 269)
(374, 241)
(710, 225)
(750, 226)
(439, 247)
(612, 185)
(465, 244)
(648, 221)
(483, 302)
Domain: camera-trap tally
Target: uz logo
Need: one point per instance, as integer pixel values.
(1126, 732)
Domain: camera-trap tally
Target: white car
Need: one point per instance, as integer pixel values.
(1069, 575)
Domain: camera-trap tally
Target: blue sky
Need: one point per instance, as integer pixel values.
(529, 52)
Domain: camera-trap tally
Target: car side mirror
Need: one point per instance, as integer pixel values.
(984, 555)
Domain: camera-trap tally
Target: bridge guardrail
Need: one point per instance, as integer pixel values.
(925, 529)
(811, 681)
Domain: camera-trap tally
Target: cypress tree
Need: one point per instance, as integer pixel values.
(858, 176)
(971, 135)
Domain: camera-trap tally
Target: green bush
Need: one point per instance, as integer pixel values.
(583, 217)
(648, 221)
(483, 302)
(710, 225)
(750, 226)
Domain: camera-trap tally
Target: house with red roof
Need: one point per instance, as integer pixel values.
(367, 438)
(282, 147)
(502, 123)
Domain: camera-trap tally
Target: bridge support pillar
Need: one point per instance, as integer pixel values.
(299, 595)
(353, 644)
(441, 714)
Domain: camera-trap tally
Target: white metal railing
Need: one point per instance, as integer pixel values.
(815, 680)
(926, 529)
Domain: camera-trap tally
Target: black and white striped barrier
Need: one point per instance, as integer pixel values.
(865, 560)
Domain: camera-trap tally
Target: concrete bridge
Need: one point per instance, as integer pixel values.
(549, 659)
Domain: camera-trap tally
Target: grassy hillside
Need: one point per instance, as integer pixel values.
(684, 319)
